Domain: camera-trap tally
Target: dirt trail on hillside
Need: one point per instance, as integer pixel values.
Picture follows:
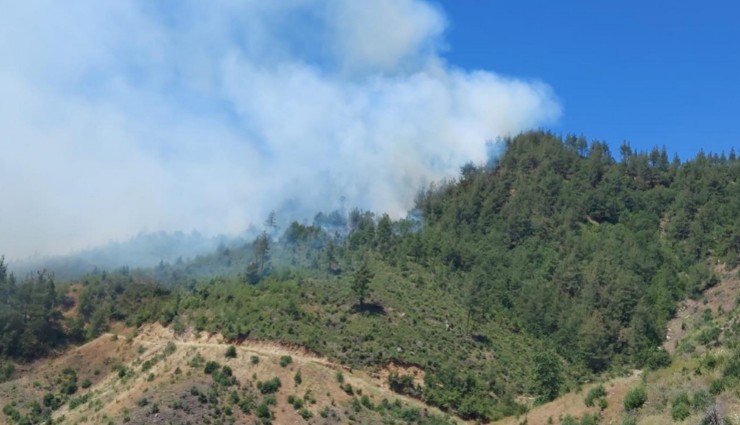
(156, 334)
(319, 373)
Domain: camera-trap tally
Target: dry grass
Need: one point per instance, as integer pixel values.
(720, 298)
(111, 396)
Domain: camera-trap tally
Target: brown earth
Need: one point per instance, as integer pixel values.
(171, 378)
(573, 404)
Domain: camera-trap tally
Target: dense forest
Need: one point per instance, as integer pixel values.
(525, 276)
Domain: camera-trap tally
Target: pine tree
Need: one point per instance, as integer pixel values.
(361, 281)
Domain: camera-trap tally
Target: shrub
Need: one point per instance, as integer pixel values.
(263, 411)
(709, 361)
(700, 400)
(716, 386)
(680, 411)
(594, 394)
(603, 404)
(71, 387)
(197, 361)
(473, 407)
(285, 361)
(6, 371)
(255, 359)
(403, 384)
(732, 369)
(709, 335)
(226, 370)
(230, 352)
(569, 420)
(365, 400)
(211, 367)
(246, 406)
(635, 398)
(325, 412)
(76, 402)
(590, 419)
(51, 401)
(269, 387)
(12, 412)
(305, 414)
(658, 359)
(122, 371)
(178, 327)
(410, 414)
(348, 389)
(224, 377)
(297, 378)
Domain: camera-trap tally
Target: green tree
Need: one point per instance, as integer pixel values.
(384, 236)
(547, 375)
(361, 281)
(330, 252)
(475, 300)
(259, 267)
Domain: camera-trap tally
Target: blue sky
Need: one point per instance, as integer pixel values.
(652, 73)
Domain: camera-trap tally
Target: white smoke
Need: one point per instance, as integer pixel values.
(118, 117)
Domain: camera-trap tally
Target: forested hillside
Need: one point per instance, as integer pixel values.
(523, 277)
(584, 250)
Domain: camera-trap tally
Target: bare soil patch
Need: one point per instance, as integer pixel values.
(721, 297)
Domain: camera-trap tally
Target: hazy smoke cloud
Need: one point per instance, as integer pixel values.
(118, 117)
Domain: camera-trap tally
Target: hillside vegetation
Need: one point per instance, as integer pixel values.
(158, 377)
(519, 281)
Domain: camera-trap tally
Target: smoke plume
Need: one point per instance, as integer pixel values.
(122, 117)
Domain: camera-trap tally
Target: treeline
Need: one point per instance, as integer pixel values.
(38, 317)
(30, 323)
(586, 252)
